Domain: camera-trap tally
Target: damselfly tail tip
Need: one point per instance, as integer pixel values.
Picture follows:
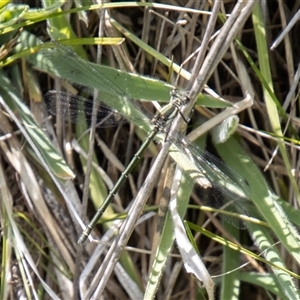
(82, 239)
(84, 236)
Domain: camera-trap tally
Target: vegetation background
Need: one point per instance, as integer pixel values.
(52, 179)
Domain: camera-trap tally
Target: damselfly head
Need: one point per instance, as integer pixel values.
(178, 97)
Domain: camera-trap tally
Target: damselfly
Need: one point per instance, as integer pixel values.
(216, 181)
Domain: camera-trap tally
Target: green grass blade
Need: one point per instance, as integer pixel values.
(52, 158)
(231, 284)
(273, 114)
(268, 206)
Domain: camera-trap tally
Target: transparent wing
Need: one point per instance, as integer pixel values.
(216, 185)
(77, 109)
(65, 63)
